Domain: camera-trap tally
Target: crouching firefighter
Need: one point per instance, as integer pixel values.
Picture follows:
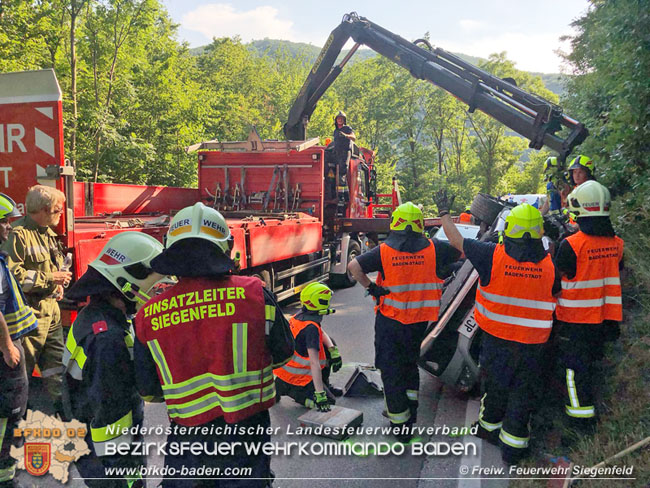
(16, 321)
(514, 308)
(209, 345)
(99, 377)
(306, 377)
(408, 290)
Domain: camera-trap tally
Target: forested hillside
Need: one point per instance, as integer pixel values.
(135, 97)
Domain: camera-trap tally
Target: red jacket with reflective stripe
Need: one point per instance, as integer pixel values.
(415, 288)
(517, 305)
(208, 340)
(594, 294)
(298, 370)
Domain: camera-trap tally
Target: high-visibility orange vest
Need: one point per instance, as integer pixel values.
(594, 294)
(298, 371)
(517, 305)
(465, 218)
(208, 339)
(415, 288)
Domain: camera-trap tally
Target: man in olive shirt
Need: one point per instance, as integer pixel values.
(35, 258)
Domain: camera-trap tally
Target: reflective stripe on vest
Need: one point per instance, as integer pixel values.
(415, 289)
(517, 304)
(298, 370)
(209, 341)
(17, 313)
(594, 294)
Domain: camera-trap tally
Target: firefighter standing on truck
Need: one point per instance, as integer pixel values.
(35, 257)
(306, 377)
(514, 308)
(99, 380)
(408, 290)
(16, 321)
(589, 307)
(211, 341)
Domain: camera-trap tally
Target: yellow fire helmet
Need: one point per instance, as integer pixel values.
(551, 163)
(591, 199)
(316, 297)
(583, 161)
(407, 215)
(200, 222)
(8, 207)
(524, 219)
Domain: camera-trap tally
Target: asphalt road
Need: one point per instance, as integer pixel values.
(352, 327)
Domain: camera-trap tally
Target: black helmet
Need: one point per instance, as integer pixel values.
(341, 114)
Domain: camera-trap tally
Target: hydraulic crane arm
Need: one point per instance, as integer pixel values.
(527, 114)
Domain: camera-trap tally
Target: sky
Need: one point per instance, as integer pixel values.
(528, 30)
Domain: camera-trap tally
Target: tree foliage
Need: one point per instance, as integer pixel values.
(610, 93)
(135, 97)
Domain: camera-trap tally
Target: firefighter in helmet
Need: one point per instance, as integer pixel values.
(16, 321)
(554, 186)
(466, 216)
(589, 306)
(514, 308)
(306, 377)
(99, 379)
(209, 346)
(411, 269)
(581, 169)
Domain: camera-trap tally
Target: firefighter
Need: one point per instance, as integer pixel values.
(407, 290)
(209, 345)
(589, 307)
(306, 377)
(553, 203)
(16, 321)
(581, 169)
(35, 257)
(343, 136)
(514, 308)
(99, 374)
(466, 216)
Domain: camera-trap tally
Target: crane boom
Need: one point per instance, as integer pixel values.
(528, 114)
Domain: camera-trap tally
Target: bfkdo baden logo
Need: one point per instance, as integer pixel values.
(37, 457)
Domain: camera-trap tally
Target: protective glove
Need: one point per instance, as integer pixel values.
(321, 401)
(335, 358)
(443, 202)
(377, 291)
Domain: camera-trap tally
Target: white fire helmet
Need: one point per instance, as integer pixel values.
(125, 262)
(591, 199)
(199, 221)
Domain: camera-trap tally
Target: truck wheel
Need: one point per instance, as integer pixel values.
(346, 280)
(486, 208)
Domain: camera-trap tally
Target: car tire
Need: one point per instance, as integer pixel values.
(346, 280)
(486, 208)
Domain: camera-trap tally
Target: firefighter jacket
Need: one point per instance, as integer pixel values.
(34, 253)
(99, 375)
(517, 304)
(298, 370)
(415, 288)
(210, 341)
(594, 293)
(18, 315)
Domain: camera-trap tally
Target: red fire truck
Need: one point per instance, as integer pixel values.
(292, 224)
